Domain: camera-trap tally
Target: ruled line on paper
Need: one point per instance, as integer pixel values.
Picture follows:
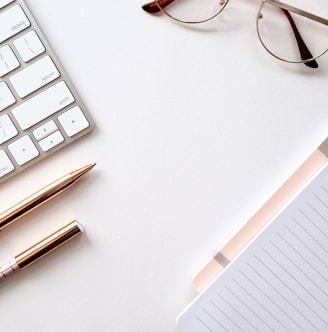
(245, 304)
(319, 199)
(286, 314)
(319, 214)
(254, 299)
(290, 289)
(310, 235)
(234, 309)
(304, 259)
(285, 297)
(203, 323)
(301, 271)
(215, 320)
(269, 299)
(315, 225)
(324, 188)
(280, 281)
(217, 307)
(306, 246)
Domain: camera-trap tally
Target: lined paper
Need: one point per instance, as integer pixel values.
(280, 281)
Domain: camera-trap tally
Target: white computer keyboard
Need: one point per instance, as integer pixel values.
(40, 110)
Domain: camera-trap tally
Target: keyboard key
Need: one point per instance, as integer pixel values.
(73, 121)
(7, 128)
(29, 46)
(12, 21)
(6, 166)
(34, 91)
(6, 97)
(45, 130)
(23, 150)
(35, 76)
(43, 105)
(8, 60)
(51, 141)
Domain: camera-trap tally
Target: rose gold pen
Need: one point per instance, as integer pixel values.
(217, 263)
(41, 249)
(41, 196)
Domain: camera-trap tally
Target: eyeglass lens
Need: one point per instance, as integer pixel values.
(191, 11)
(288, 36)
(293, 37)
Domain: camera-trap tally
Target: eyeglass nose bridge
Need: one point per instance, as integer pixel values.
(160, 6)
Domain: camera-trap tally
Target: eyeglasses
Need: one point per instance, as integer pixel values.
(281, 28)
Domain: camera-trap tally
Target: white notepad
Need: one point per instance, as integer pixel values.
(280, 281)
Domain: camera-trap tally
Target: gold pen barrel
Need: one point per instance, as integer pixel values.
(42, 196)
(32, 202)
(49, 244)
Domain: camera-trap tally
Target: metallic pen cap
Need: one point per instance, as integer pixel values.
(47, 245)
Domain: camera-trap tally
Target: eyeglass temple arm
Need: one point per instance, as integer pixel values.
(304, 51)
(152, 7)
(297, 11)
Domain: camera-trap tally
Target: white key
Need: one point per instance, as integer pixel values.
(12, 21)
(23, 150)
(29, 46)
(34, 76)
(73, 121)
(8, 60)
(6, 166)
(45, 130)
(43, 105)
(51, 141)
(5, 2)
(7, 128)
(6, 97)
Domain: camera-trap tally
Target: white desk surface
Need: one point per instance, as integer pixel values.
(195, 130)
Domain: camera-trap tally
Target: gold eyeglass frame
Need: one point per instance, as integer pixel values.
(158, 6)
(297, 11)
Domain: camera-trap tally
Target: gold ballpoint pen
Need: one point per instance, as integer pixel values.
(41, 196)
(41, 249)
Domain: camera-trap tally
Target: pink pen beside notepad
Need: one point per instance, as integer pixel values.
(271, 276)
(216, 264)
